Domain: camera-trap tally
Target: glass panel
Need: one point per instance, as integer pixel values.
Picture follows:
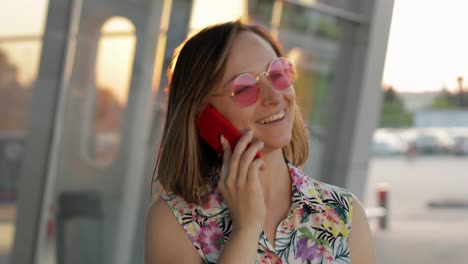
(21, 31)
(260, 12)
(99, 155)
(312, 41)
(116, 45)
(355, 6)
(23, 17)
(219, 11)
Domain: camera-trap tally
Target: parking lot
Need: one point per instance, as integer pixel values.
(428, 209)
(424, 141)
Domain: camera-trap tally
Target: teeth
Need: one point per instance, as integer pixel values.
(272, 118)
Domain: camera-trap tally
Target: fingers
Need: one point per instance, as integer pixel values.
(252, 173)
(239, 183)
(226, 159)
(247, 160)
(236, 163)
(240, 148)
(236, 156)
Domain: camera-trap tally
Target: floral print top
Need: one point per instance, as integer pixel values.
(315, 231)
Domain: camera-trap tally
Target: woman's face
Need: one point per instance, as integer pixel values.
(252, 54)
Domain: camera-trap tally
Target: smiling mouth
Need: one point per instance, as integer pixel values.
(273, 118)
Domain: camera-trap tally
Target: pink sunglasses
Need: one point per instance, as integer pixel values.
(245, 88)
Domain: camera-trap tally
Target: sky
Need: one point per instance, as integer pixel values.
(428, 45)
(428, 42)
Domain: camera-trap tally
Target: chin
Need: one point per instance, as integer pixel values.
(278, 142)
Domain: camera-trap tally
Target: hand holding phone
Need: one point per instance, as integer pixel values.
(212, 124)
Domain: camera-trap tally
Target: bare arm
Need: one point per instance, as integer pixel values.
(360, 239)
(239, 184)
(165, 239)
(241, 247)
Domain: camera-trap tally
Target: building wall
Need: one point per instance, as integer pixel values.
(441, 118)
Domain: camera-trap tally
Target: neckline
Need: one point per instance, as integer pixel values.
(285, 221)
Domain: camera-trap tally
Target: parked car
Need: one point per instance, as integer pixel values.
(388, 143)
(460, 147)
(434, 141)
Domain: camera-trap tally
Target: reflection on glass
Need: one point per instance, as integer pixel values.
(18, 71)
(354, 6)
(21, 31)
(261, 12)
(23, 17)
(312, 85)
(219, 11)
(312, 41)
(113, 70)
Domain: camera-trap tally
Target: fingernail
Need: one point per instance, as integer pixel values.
(223, 140)
(250, 132)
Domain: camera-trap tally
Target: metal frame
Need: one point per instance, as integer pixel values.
(332, 11)
(370, 97)
(31, 187)
(356, 101)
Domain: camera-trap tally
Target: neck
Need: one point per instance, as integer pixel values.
(275, 178)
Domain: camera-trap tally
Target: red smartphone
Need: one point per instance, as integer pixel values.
(212, 124)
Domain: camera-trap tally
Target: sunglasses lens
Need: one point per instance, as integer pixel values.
(281, 73)
(245, 89)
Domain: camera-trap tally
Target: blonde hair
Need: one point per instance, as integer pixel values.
(184, 160)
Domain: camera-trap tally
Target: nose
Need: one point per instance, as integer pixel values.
(269, 95)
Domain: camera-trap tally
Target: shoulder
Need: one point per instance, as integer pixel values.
(329, 191)
(337, 203)
(323, 194)
(165, 238)
(351, 211)
(360, 239)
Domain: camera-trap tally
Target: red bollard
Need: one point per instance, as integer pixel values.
(382, 201)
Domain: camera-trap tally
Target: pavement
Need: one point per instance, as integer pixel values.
(419, 232)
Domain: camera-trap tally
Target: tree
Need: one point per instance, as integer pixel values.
(393, 112)
(447, 100)
(108, 111)
(14, 97)
(462, 96)
(15, 102)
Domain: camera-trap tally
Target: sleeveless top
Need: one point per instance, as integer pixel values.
(315, 231)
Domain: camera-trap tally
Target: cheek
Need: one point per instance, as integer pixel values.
(291, 98)
(240, 118)
(292, 94)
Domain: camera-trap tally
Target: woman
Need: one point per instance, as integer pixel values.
(236, 207)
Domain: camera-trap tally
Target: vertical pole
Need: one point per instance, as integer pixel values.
(276, 18)
(382, 200)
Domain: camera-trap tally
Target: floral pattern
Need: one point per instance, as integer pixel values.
(315, 231)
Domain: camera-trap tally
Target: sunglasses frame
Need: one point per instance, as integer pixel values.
(257, 77)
